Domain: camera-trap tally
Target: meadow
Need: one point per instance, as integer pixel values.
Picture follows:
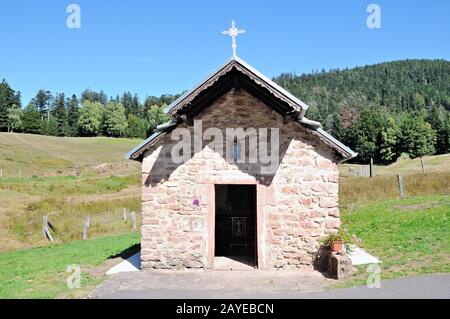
(27, 155)
(66, 179)
(354, 191)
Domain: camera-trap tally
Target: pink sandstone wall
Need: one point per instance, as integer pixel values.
(297, 205)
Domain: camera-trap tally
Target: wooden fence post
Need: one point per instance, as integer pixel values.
(371, 167)
(133, 221)
(45, 230)
(87, 224)
(124, 214)
(422, 164)
(401, 186)
(44, 225)
(1, 172)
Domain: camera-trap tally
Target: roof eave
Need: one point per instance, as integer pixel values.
(187, 93)
(137, 151)
(346, 152)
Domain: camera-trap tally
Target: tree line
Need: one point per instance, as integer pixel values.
(91, 114)
(381, 111)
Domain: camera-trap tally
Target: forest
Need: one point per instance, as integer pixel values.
(381, 111)
(90, 114)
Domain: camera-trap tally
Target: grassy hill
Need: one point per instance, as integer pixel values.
(52, 156)
(432, 164)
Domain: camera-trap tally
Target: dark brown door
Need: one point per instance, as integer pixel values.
(235, 229)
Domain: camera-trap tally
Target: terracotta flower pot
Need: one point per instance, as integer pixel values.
(337, 245)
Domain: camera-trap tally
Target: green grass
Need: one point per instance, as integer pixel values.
(410, 236)
(41, 272)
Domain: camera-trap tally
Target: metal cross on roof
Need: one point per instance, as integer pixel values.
(233, 32)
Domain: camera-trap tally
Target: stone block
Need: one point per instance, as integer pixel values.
(339, 265)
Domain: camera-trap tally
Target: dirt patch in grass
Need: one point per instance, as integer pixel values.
(129, 192)
(98, 272)
(413, 207)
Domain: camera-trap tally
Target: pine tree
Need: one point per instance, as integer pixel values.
(136, 106)
(72, 115)
(60, 113)
(333, 125)
(127, 102)
(31, 119)
(439, 119)
(49, 126)
(8, 99)
(42, 101)
(91, 96)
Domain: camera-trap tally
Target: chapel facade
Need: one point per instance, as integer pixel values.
(267, 211)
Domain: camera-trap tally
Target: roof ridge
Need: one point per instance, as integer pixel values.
(296, 101)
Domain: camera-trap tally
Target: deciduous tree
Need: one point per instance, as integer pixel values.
(15, 119)
(90, 120)
(114, 120)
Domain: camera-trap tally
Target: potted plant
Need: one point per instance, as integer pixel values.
(337, 244)
(338, 241)
(334, 241)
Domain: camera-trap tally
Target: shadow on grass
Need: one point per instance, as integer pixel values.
(127, 253)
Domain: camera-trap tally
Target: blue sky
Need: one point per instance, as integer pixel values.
(152, 48)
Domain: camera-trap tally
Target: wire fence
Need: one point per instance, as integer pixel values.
(53, 228)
